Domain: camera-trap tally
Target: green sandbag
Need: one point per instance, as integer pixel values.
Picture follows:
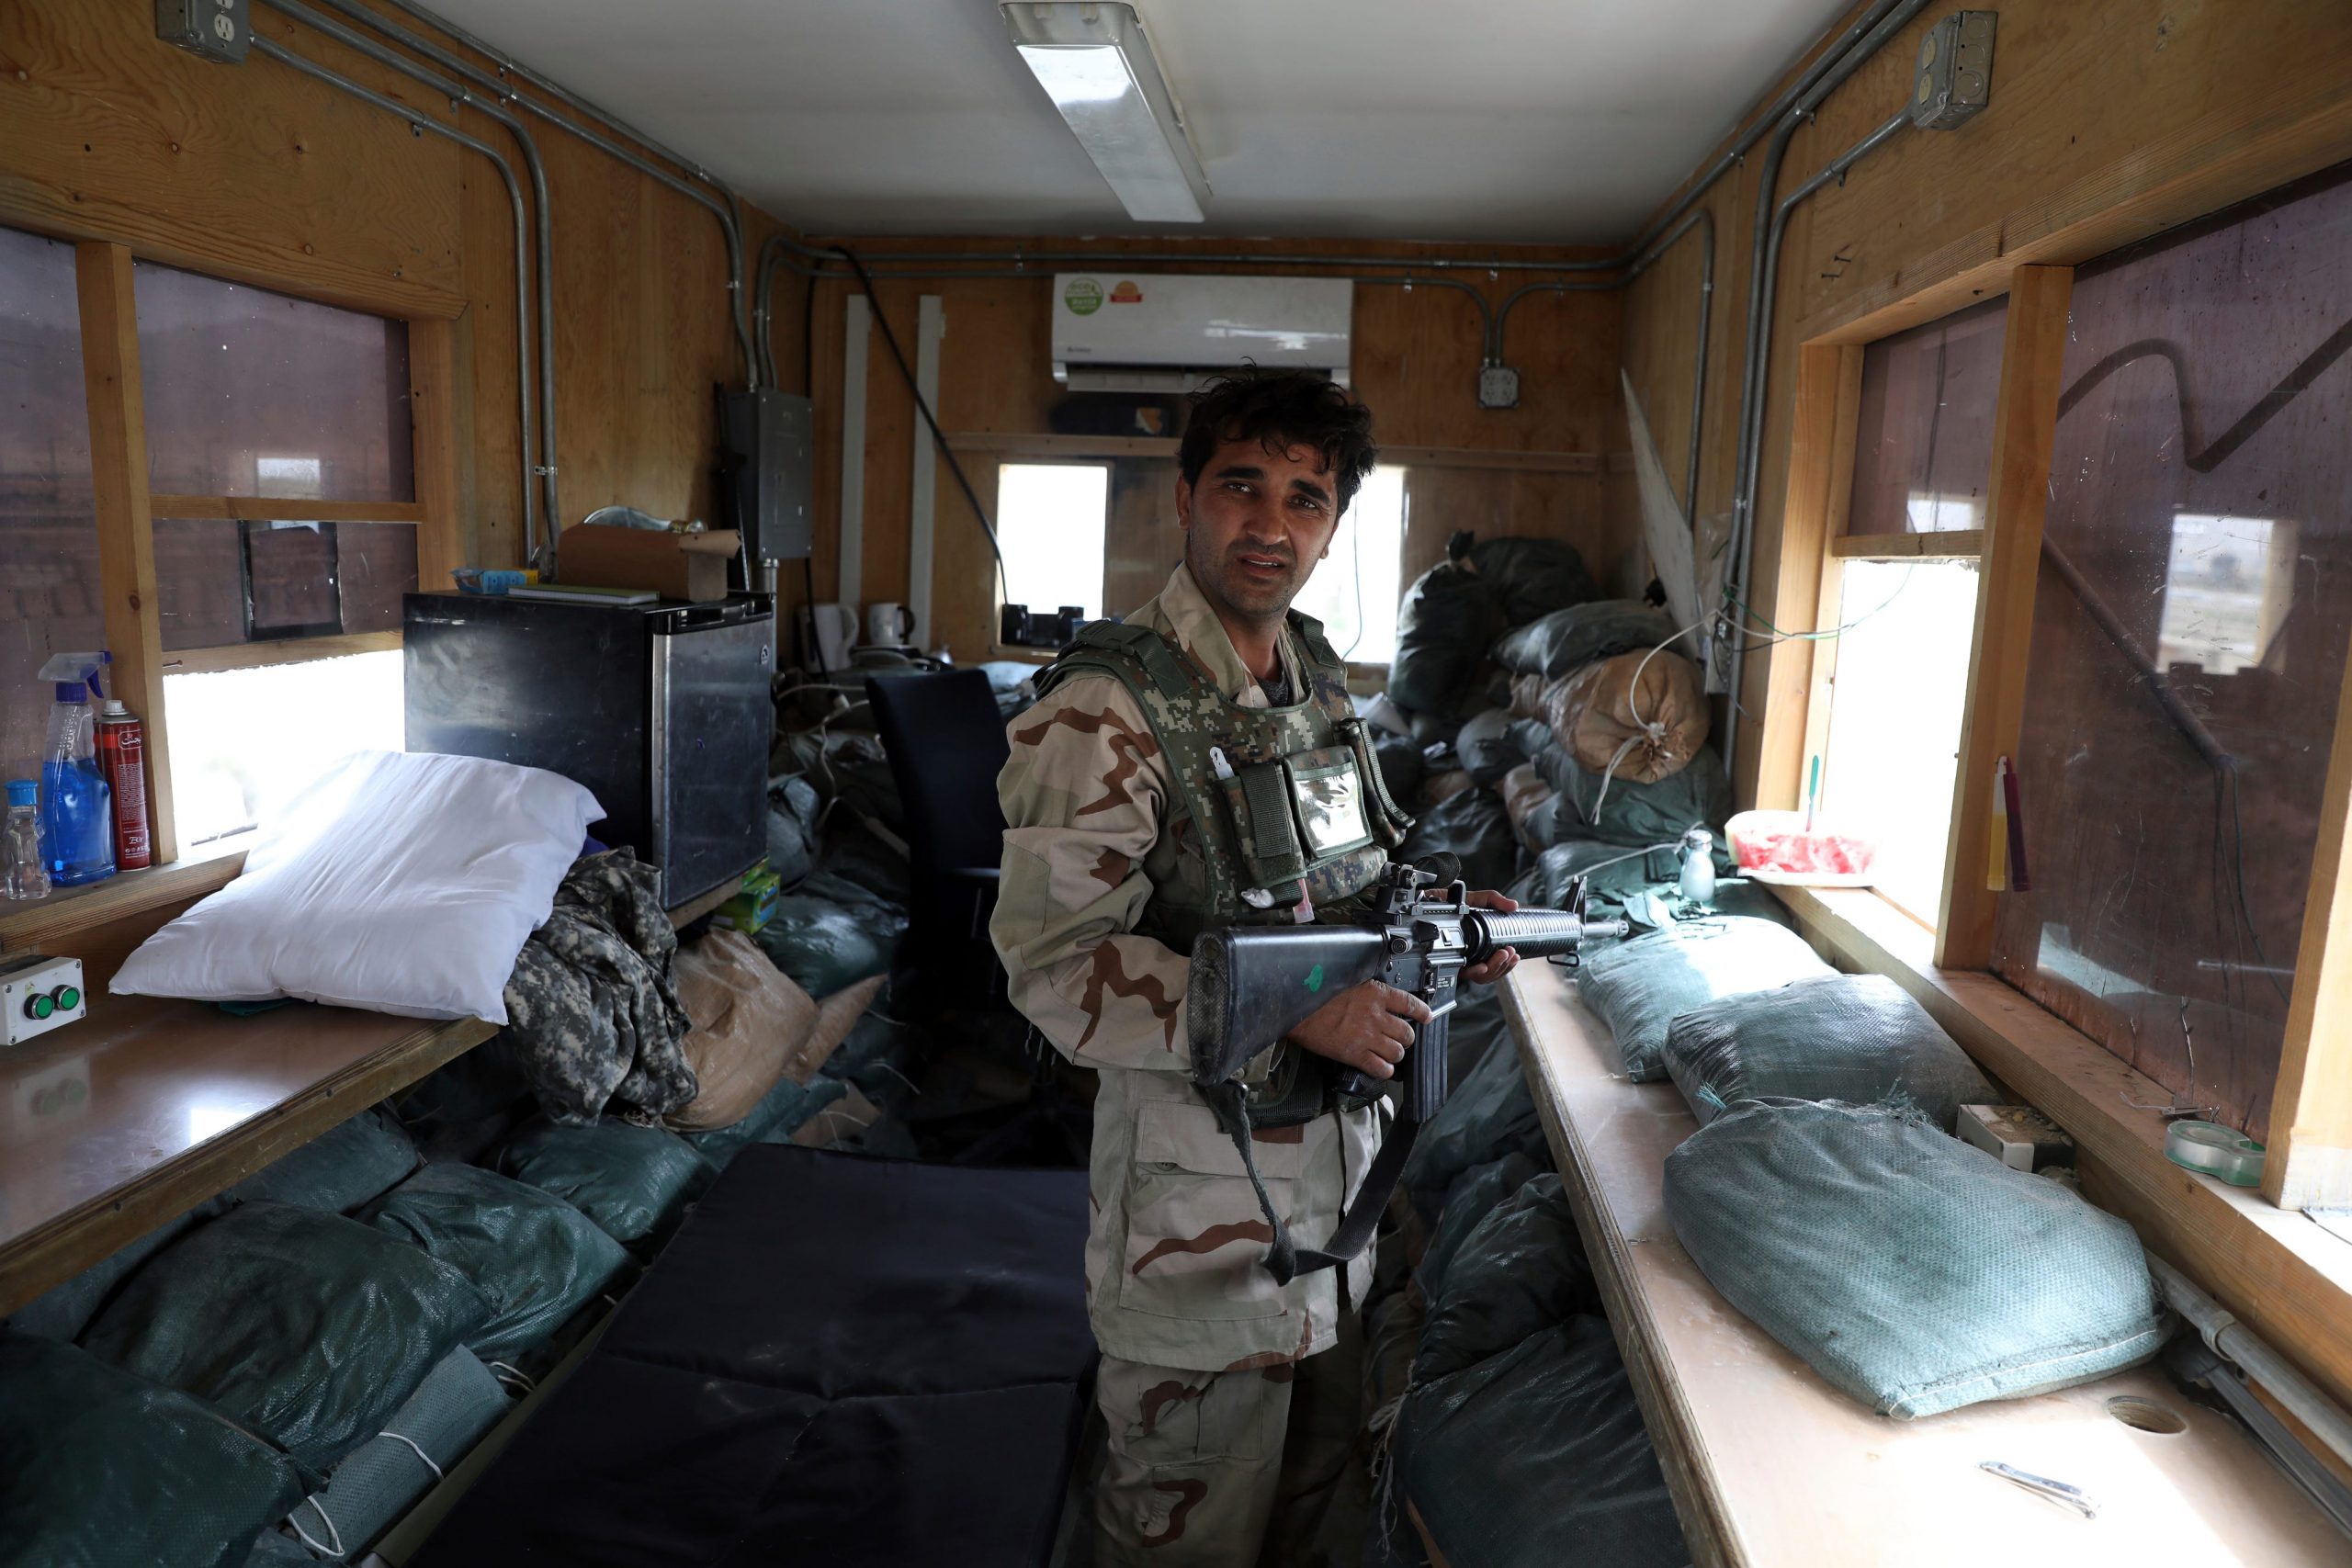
(826, 945)
(1913, 1271)
(1633, 815)
(1443, 625)
(64, 1311)
(1520, 1271)
(1473, 828)
(1402, 766)
(1567, 640)
(634, 1182)
(1537, 1457)
(307, 1328)
(383, 1477)
(1859, 1038)
(1639, 987)
(821, 1092)
(535, 1257)
(1534, 578)
(1487, 1114)
(1473, 1198)
(338, 1170)
(101, 1469)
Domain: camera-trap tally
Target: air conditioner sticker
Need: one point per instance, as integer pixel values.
(1085, 296)
(1126, 293)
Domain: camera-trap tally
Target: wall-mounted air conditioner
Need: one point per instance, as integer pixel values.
(1126, 332)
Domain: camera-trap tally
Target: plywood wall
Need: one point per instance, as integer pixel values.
(2109, 119)
(257, 174)
(1415, 362)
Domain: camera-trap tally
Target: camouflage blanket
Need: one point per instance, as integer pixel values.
(593, 1004)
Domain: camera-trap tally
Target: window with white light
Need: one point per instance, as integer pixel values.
(1354, 590)
(1050, 520)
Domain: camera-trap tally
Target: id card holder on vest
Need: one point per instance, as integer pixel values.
(1327, 798)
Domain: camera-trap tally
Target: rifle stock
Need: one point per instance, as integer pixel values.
(1253, 984)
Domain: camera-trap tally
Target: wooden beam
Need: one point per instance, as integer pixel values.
(2025, 422)
(1016, 445)
(126, 541)
(434, 426)
(1821, 488)
(2311, 1110)
(1950, 544)
(69, 911)
(278, 509)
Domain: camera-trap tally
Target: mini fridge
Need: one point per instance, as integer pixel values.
(662, 710)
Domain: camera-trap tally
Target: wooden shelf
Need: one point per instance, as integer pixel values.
(149, 1106)
(38, 927)
(1769, 1465)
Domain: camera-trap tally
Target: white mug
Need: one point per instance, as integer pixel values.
(835, 629)
(889, 626)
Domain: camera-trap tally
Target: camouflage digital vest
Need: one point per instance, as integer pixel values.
(1277, 803)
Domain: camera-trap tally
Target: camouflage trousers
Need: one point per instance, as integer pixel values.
(1230, 1469)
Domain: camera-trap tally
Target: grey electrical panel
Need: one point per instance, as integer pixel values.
(217, 29)
(767, 458)
(1955, 70)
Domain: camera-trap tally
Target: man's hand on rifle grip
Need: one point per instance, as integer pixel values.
(1366, 1027)
(1503, 959)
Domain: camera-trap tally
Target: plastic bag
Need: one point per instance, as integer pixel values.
(338, 1170)
(383, 1478)
(1627, 811)
(1911, 1271)
(634, 1182)
(1443, 625)
(535, 1257)
(1487, 746)
(1859, 1038)
(1638, 716)
(828, 944)
(1639, 987)
(307, 1328)
(1520, 1271)
(1471, 1200)
(99, 1467)
(1567, 640)
(1534, 578)
(1471, 826)
(1536, 1458)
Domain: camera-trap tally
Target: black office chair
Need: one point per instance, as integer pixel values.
(946, 746)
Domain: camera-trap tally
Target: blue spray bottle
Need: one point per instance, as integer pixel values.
(76, 814)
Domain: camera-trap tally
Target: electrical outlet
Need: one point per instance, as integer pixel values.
(1498, 387)
(1956, 79)
(219, 30)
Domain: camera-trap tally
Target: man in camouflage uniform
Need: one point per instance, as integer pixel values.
(1136, 818)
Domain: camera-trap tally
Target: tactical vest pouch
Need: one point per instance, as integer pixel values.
(1327, 795)
(1389, 820)
(1258, 796)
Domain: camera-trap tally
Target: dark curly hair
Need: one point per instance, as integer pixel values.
(1279, 409)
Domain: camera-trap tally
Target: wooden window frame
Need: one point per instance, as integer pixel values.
(125, 508)
(2286, 1276)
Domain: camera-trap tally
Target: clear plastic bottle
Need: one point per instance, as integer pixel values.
(1699, 867)
(27, 875)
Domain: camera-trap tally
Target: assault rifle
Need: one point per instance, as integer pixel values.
(1252, 985)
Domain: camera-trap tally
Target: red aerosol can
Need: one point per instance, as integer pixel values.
(122, 760)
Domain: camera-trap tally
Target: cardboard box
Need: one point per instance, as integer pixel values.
(676, 566)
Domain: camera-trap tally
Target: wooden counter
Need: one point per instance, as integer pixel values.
(137, 1114)
(1769, 1466)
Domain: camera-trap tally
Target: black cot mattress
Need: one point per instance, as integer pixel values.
(836, 1361)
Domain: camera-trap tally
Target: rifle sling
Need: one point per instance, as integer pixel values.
(1284, 1260)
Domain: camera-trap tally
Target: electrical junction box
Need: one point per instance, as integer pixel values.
(217, 29)
(38, 994)
(767, 463)
(1955, 77)
(1498, 387)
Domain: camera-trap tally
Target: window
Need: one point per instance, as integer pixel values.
(2188, 644)
(1923, 441)
(49, 596)
(1050, 519)
(1896, 700)
(1354, 590)
(243, 739)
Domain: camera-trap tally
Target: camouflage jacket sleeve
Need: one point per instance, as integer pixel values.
(1085, 795)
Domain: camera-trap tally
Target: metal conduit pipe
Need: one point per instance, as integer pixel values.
(1763, 260)
(467, 70)
(1702, 219)
(419, 123)
(544, 262)
(2233, 1341)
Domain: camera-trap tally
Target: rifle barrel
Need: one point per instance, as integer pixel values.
(1534, 934)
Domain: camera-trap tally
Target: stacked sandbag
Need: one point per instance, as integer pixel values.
(1520, 1270)
(1640, 986)
(1567, 640)
(1524, 795)
(1487, 747)
(1638, 717)
(1471, 826)
(792, 811)
(1627, 812)
(1857, 1038)
(1453, 614)
(1911, 1271)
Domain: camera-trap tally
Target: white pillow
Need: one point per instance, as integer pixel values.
(401, 883)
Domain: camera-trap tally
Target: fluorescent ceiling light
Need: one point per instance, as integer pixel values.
(1095, 63)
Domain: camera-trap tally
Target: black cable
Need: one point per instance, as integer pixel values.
(971, 496)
